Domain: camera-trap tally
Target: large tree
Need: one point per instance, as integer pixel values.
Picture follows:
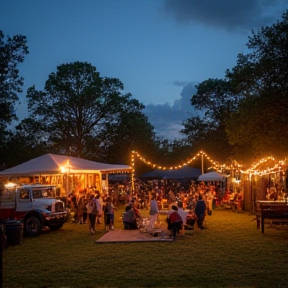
(133, 132)
(12, 52)
(261, 76)
(215, 98)
(77, 107)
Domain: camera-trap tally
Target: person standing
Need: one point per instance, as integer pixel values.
(99, 205)
(153, 212)
(210, 198)
(74, 209)
(80, 209)
(116, 195)
(85, 214)
(200, 211)
(92, 211)
(109, 214)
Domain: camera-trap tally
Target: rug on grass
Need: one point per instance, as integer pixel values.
(123, 236)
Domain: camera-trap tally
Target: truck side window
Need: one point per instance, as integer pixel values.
(37, 194)
(24, 194)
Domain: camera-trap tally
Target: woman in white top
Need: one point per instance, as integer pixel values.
(153, 212)
(99, 204)
(183, 215)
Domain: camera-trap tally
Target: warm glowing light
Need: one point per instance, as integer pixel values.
(10, 185)
(62, 169)
(215, 165)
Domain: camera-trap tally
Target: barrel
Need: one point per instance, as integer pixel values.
(14, 232)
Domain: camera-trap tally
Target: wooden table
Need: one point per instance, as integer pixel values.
(276, 211)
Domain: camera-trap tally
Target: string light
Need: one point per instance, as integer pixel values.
(278, 167)
(134, 154)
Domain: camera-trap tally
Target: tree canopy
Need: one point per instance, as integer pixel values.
(261, 76)
(81, 113)
(247, 111)
(216, 99)
(12, 52)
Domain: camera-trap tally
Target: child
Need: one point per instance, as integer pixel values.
(109, 214)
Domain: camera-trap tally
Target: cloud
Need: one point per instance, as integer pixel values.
(166, 119)
(227, 14)
(180, 83)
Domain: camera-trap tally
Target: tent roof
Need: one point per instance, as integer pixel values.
(212, 176)
(54, 164)
(181, 173)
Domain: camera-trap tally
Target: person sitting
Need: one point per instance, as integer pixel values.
(200, 211)
(136, 211)
(190, 221)
(174, 221)
(129, 218)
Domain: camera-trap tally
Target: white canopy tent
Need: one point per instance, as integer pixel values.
(212, 176)
(58, 164)
(64, 166)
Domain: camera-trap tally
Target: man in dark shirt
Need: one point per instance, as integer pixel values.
(200, 211)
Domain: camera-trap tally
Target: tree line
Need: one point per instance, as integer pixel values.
(83, 114)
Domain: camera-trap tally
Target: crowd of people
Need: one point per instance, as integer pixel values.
(88, 206)
(183, 208)
(176, 219)
(191, 203)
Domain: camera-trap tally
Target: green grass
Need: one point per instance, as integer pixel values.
(230, 252)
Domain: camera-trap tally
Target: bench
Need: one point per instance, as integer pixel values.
(271, 221)
(272, 213)
(277, 221)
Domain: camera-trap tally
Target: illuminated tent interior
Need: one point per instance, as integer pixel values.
(69, 172)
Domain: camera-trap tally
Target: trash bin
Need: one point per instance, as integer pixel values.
(14, 232)
(3, 240)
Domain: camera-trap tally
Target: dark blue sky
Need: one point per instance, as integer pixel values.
(156, 48)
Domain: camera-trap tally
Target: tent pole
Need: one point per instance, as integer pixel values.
(202, 164)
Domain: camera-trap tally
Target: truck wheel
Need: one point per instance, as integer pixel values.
(55, 226)
(33, 226)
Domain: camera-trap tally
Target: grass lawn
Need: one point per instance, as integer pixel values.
(229, 252)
